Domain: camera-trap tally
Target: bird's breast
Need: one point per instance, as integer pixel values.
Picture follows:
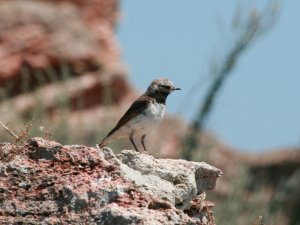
(147, 120)
(155, 112)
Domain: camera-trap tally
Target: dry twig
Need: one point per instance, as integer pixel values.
(22, 135)
(248, 29)
(9, 131)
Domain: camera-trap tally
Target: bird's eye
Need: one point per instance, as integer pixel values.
(166, 86)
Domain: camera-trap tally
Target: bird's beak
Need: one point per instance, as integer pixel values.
(176, 88)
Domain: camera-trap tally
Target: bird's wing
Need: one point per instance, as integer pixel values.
(135, 109)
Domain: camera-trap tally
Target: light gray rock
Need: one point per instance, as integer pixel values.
(118, 215)
(176, 181)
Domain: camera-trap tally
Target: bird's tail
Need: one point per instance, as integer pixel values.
(102, 143)
(106, 140)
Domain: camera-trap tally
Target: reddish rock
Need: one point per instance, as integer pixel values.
(46, 182)
(45, 41)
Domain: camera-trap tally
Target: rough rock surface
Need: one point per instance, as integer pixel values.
(44, 182)
(34, 37)
(176, 181)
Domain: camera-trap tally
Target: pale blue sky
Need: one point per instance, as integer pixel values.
(259, 107)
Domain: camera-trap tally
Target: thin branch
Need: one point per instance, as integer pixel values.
(16, 137)
(249, 29)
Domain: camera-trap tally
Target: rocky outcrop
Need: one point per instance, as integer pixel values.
(62, 49)
(38, 38)
(60, 57)
(45, 182)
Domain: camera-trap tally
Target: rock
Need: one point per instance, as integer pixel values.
(33, 39)
(44, 182)
(43, 149)
(117, 215)
(177, 181)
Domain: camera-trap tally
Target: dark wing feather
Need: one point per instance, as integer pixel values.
(136, 108)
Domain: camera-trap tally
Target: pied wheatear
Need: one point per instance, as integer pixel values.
(144, 114)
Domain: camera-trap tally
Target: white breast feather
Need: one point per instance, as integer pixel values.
(155, 112)
(150, 118)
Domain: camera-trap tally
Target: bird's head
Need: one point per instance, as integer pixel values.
(161, 86)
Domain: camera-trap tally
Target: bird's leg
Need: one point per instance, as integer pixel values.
(131, 140)
(143, 143)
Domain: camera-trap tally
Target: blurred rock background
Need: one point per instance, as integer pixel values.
(61, 71)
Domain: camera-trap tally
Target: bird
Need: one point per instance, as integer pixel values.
(143, 115)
